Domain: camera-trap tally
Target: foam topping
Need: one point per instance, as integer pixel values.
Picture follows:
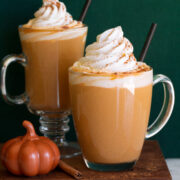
(111, 53)
(52, 14)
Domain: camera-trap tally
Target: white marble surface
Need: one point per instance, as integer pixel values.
(174, 168)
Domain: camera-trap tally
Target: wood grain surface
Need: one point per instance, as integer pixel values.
(150, 166)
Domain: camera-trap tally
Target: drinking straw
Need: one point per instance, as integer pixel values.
(84, 11)
(147, 42)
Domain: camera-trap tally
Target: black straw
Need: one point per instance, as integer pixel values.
(84, 11)
(147, 42)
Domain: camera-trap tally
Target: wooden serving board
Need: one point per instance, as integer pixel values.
(151, 166)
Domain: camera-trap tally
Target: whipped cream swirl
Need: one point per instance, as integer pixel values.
(52, 14)
(111, 53)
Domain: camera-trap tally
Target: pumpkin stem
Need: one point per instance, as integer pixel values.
(29, 127)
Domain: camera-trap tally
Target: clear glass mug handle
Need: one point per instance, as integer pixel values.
(167, 108)
(21, 99)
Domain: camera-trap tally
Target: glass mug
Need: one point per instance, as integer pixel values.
(111, 115)
(47, 55)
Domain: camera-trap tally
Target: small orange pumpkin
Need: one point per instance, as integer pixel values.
(31, 154)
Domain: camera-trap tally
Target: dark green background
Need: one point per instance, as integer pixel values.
(135, 17)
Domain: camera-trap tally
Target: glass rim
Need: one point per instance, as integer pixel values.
(51, 29)
(122, 74)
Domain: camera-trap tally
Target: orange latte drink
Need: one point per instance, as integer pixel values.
(51, 42)
(111, 99)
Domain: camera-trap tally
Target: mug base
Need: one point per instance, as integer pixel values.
(110, 167)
